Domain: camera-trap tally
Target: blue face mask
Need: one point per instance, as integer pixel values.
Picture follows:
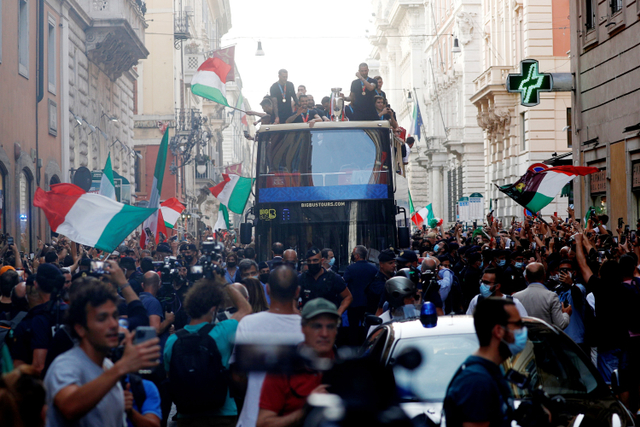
(332, 261)
(436, 248)
(519, 342)
(485, 290)
(481, 265)
(501, 262)
(519, 264)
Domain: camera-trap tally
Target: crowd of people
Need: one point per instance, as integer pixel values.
(103, 339)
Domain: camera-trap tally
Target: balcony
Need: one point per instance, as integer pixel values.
(181, 28)
(115, 39)
(492, 80)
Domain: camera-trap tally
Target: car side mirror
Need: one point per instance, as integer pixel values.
(246, 229)
(372, 320)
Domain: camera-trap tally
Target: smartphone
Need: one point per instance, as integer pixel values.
(9, 240)
(620, 222)
(144, 333)
(555, 214)
(197, 269)
(518, 379)
(246, 133)
(513, 244)
(626, 229)
(633, 236)
(97, 267)
(148, 231)
(31, 255)
(615, 239)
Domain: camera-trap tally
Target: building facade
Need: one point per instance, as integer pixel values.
(605, 60)
(67, 81)
(515, 137)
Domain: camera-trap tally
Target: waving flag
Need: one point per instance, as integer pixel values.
(535, 190)
(171, 209)
(241, 108)
(87, 218)
(210, 80)
(424, 214)
(416, 122)
(156, 190)
(107, 185)
(233, 192)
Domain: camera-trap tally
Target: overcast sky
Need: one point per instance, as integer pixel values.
(319, 43)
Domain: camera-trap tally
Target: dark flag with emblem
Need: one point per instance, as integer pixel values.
(535, 190)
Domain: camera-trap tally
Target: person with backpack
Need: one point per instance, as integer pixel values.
(196, 358)
(33, 335)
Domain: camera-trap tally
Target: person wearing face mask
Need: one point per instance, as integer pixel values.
(329, 260)
(561, 281)
(248, 268)
(490, 286)
(263, 272)
(231, 268)
(478, 394)
(316, 282)
(513, 275)
(539, 301)
(358, 275)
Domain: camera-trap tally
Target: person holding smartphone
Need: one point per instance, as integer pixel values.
(83, 385)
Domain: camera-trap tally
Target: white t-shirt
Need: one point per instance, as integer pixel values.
(516, 301)
(405, 159)
(269, 328)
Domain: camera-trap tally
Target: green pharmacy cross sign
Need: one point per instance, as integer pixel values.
(529, 83)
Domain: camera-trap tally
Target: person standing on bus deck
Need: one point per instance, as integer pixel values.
(282, 92)
(317, 282)
(363, 89)
(305, 113)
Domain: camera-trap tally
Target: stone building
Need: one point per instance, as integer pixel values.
(515, 136)
(605, 119)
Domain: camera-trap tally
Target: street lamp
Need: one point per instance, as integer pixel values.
(259, 52)
(456, 46)
(201, 166)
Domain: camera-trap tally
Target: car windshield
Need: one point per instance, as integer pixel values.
(441, 356)
(549, 359)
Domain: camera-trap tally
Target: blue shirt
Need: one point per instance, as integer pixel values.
(153, 307)
(151, 404)
(575, 330)
(224, 334)
(357, 277)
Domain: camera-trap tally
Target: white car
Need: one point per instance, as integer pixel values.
(550, 359)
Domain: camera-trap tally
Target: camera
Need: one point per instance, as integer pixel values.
(212, 254)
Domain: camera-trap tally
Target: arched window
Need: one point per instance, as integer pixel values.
(54, 180)
(25, 211)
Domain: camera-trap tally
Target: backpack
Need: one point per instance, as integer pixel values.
(199, 381)
(7, 327)
(137, 389)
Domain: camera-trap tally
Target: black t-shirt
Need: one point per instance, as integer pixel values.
(349, 112)
(611, 329)
(364, 105)
(286, 92)
(35, 331)
(305, 117)
(328, 286)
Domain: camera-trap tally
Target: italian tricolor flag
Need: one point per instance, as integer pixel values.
(171, 209)
(87, 218)
(240, 107)
(424, 214)
(210, 81)
(156, 190)
(107, 185)
(233, 192)
(535, 190)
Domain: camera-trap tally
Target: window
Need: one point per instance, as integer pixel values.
(590, 15)
(616, 6)
(25, 197)
(23, 38)
(51, 55)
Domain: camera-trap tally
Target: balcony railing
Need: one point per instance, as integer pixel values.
(181, 29)
(115, 39)
(496, 75)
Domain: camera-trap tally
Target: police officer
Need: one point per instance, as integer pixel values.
(316, 282)
(478, 395)
(375, 290)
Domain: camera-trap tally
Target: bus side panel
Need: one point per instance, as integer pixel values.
(401, 197)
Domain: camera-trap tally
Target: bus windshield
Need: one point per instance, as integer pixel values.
(356, 158)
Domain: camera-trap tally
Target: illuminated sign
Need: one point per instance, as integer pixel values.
(529, 83)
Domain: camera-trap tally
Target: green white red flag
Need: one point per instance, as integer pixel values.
(156, 190)
(210, 80)
(107, 185)
(87, 218)
(233, 192)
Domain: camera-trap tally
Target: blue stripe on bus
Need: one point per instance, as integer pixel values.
(333, 192)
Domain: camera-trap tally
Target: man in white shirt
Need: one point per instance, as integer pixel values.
(281, 324)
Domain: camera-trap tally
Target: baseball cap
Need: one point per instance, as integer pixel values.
(407, 256)
(318, 306)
